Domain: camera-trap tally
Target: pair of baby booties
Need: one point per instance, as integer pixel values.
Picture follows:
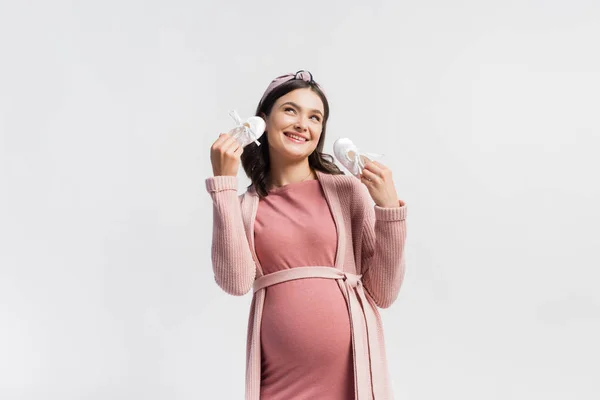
(248, 131)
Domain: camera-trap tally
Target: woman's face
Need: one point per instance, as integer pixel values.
(298, 113)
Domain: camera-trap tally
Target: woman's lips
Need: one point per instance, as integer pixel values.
(294, 140)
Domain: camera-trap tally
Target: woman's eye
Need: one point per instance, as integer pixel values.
(289, 109)
(316, 117)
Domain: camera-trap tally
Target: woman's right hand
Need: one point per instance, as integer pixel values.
(225, 155)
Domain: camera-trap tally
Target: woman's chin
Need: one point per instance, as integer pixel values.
(294, 153)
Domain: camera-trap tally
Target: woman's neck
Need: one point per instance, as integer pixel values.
(281, 175)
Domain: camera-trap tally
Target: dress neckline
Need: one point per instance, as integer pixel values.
(291, 186)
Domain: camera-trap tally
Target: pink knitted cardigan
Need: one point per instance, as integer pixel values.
(369, 268)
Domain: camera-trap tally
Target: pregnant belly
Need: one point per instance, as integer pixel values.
(305, 333)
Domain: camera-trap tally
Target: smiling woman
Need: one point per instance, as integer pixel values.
(318, 255)
(293, 109)
(296, 113)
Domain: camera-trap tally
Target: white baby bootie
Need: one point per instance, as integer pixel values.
(247, 131)
(350, 157)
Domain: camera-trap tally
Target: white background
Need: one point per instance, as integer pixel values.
(486, 111)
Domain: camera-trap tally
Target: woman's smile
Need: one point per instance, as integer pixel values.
(295, 138)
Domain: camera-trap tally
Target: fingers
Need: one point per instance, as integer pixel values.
(222, 138)
(230, 145)
(369, 177)
(364, 179)
(218, 144)
(225, 143)
(225, 155)
(380, 165)
(238, 152)
(378, 169)
(373, 168)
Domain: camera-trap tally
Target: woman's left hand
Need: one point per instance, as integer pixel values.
(378, 179)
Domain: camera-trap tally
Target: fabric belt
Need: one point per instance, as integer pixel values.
(363, 323)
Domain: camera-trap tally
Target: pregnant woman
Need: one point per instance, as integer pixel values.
(318, 255)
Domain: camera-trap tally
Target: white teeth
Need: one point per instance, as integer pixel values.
(296, 137)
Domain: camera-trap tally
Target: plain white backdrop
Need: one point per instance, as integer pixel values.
(486, 111)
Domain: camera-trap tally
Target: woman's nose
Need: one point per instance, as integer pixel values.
(301, 123)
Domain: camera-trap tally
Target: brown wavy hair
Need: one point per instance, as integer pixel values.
(255, 159)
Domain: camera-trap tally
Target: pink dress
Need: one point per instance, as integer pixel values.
(305, 332)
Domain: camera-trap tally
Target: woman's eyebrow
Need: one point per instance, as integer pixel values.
(298, 107)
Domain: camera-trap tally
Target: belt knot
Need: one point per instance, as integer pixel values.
(352, 279)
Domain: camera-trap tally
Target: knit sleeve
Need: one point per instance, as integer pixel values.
(382, 253)
(232, 261)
